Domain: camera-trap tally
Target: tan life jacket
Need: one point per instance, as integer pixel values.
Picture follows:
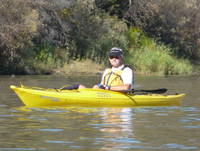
(113, 78)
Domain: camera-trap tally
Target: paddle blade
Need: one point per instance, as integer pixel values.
(158, 91)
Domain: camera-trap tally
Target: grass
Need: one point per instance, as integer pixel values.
(145, 54)
(152, 58)
(146, 62)
(77, 66)
(156, 62)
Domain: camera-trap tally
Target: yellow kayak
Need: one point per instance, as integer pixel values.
(38, 97)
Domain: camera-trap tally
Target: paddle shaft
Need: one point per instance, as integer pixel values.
(158, 91)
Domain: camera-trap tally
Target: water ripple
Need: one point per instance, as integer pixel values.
(179, 146)
(22, 149)
(50, 130)
(59, 142)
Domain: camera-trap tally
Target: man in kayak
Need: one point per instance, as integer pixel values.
(120, 76)
(117, 78)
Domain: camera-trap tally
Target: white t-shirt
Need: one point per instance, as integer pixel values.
(127, 74)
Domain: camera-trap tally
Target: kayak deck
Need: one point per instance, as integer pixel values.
(37, 97)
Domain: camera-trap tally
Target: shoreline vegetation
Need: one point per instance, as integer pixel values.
(63, 36)
(84, 67)
(88, 67)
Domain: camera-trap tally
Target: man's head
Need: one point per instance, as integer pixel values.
(115, 57)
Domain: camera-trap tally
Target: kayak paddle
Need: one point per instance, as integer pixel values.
(158, 91)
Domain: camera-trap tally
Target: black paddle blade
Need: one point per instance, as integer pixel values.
(158, 91)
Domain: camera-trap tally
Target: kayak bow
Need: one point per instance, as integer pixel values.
(37, 97)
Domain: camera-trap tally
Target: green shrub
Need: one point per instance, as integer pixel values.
(91, 36)
(150, 57)
(174, 22)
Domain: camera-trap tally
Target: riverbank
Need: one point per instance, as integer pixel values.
(92, 68)
(84, 66)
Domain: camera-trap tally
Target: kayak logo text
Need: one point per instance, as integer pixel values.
(103, 95)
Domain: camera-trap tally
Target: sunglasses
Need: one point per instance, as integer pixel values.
(116, 57)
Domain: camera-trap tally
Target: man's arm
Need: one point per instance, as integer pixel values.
(120, 87)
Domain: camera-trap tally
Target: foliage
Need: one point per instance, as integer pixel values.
(91, 36)
(113, 7)
(37, 36)
(54, 32)
(150, 57)
(24, 27)
(174, 22)
(18, 25)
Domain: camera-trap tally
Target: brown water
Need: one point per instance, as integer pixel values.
(111, 129)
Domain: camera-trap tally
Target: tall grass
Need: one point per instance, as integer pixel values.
(81, 66)
(150, 57)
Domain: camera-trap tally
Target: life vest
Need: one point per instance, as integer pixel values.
(113, 78)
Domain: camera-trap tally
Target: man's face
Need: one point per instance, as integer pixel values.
(115, 61)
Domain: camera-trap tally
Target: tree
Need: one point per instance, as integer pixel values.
(114, 7)
(174, 22)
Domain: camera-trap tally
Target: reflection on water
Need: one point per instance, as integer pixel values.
(163, 128)
(153, 128)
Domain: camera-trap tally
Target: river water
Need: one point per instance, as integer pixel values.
(174, 128)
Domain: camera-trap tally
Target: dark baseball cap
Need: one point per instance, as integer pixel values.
(115, 52)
